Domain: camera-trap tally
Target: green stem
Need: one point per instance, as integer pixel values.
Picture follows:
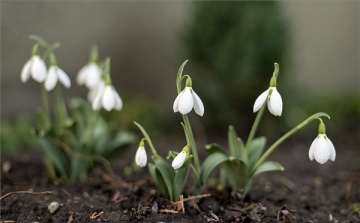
(255, 126)
(284, 137)
(147, 137)
(192, 143)
(60, 119)
(46, 107)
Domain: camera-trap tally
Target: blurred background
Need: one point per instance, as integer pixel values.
(231, 47)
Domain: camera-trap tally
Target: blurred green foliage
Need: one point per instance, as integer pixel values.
(15, 134)
(234, 45)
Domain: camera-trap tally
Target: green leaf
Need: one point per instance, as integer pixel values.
(157, 177)
(78, 170)
(39, 40)
(236, 173)
(214, 148)
(236, 146)
(179, 76)
(268, 166)
(167, 173)
(209, 164)
(255, 150)
(55, 155)
(120, 140)
(181, 175)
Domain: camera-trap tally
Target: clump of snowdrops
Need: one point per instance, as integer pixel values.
(74, 137)
(240, 162)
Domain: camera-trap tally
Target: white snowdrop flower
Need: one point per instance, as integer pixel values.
(89, 75)
(107, 98)
(179, 160)
(322, 149)
(274, 102)
(94, 91)
(187, 100)
(34, 67)
(140, 156)
(54, 74)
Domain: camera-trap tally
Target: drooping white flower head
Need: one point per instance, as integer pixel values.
(322, 149)
(274, 101)
(140, 156)
(34, 67)
(89, 75)
(54, 74)
(180, 158)
(105, 95)
(107, 98)
(187, 100)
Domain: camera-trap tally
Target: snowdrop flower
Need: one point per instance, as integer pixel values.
(90, 74)
(54, 74)
(140, 156)
(107, 98)
(187, 100)
(180, 158)
(322, 148)
(274, 102)
(34, 67)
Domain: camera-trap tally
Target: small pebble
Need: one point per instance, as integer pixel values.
(53, 206)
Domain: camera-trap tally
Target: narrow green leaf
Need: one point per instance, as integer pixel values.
(236, 173)
(236, 146)
(255, 150)
(268, 166)
(179, 76)
(167, 173)
(120, 140)
(181, 175)
(212, 161)
(158, 179)
(40, 40)
(232, 142)
(77, 167)
(214, 148)
(55, 155)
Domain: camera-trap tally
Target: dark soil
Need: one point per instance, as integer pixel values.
(316, 193)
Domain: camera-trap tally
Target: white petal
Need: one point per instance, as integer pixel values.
(311, 150)
(322, 150)
(179, 160)
(198, 105)
(38, 69)
(25, 71)
(51, 78)
(332, 149)
(81, 76)
(260, 100)
(186, 101)
(118, 101)
(176, 102)
(93, 76)
(96, 103)
(141, 157)
(275, 103)
(108, 99)
(63, 78)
